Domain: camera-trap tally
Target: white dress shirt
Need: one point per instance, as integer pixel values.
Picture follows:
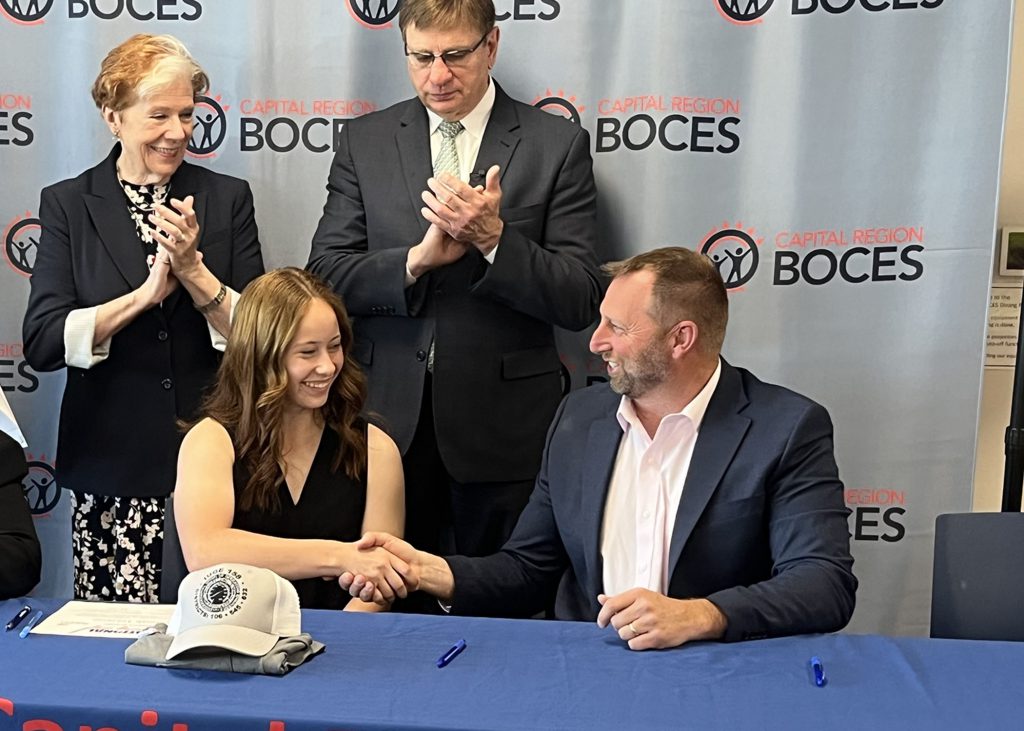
(467, 142)
(8, 424)
(643, 496)
(80, 331)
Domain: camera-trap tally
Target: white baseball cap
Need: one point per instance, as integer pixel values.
(236, 607)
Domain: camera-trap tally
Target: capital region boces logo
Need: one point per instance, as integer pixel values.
(209, 126)
(379, 14)
(752, 12)
(743, 12)
(25, 12)
(21, 242)
(815, 257)
(560, 105)
(735, 251)
(373, 13)
(33, 12)
(40, 486)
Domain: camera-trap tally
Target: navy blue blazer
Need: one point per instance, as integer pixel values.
(761, 528)
(21, 558)
(118, 433)
(497, 371)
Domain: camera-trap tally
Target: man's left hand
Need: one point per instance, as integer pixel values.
(469, 215)
(647, 620)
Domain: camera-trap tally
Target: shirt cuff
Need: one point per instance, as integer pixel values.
(79, 331)
(409, 278)
(446, 608)
(218, 341)
(494, 252)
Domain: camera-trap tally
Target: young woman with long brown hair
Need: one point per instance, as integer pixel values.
(283, 472)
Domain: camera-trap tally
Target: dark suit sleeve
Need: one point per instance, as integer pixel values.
(555, 279)
(812, 588)
(246, 256)
(521, 579)
(340, 252)
(53, 293)
(20, 556)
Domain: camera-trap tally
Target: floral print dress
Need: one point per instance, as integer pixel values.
(117, 542)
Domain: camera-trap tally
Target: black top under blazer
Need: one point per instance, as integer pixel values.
(118, 431)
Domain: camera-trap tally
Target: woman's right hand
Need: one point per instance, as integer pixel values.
(159, 284)
(112, 316)
(381, 568)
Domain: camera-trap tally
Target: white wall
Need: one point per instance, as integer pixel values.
(997, 384)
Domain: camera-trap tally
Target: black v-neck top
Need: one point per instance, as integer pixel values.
(331, 506)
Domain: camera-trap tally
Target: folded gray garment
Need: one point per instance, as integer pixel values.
(289, 652)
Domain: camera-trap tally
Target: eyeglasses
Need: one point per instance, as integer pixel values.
(454, 59)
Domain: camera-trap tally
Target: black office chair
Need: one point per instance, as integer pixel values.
(174, 568)
(977, 579)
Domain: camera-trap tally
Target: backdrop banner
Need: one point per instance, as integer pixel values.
(838, 159)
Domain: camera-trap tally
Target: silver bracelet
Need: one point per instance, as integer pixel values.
(221, 294)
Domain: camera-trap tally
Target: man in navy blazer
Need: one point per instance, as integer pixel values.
(21, 557)
(457, 279)
(690, 501)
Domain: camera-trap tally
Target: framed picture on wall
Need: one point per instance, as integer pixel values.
(1011, 252)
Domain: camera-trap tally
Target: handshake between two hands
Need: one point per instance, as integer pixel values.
(384, 567)
(381, 569)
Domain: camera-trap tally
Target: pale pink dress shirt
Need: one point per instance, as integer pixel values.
(643, 497)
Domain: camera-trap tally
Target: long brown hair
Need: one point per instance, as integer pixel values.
(252, 382)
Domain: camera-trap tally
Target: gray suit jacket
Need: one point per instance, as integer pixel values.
(496, 377)
(761, 528)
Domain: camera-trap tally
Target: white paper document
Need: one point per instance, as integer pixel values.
(104, 619)
(1003, 326)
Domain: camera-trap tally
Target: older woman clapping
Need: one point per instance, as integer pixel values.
(132, 291)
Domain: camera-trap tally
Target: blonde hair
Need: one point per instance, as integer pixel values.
(142, 65)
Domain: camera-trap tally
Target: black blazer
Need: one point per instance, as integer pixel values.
(118, 433)
(496, 380)
(20, 556)
(761, 528)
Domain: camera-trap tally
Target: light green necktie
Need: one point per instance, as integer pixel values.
(447, 161)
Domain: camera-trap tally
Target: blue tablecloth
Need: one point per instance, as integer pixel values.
(379, 673)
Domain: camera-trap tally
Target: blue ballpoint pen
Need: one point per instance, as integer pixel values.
(451, 654)
(31, 623)
(819, 672)
(16, 619)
